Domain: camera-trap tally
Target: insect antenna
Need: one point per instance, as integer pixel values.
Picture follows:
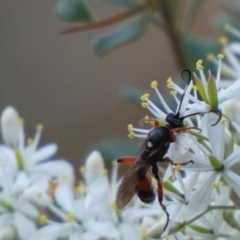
(188, 82)
(217, 111)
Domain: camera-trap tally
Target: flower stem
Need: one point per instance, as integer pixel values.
(107, 21)
(173, 35)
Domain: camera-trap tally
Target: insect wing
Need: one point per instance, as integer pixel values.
(128, 186)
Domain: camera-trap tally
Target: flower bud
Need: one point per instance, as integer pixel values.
(10, 126)
(94, 167)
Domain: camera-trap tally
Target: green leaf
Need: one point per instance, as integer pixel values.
(192, 13)
(127, 33)
(124, 3)
(73, 11)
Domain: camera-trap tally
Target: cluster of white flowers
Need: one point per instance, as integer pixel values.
(39, 198)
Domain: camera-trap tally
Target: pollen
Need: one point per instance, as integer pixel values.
(145, 104)
(173, 93)
(183, 231)
(214, 184)
(226, 27)
(169, 80)
(210, 57)
(130, 128)
(114, 163)
(82, 169)
(131, 135)
(21, 121)
(70, 217)
(199, 65)
(104, 171)
(154, 84)
(178, 167)
(43, 219)
(195, 87)
(220, 56)
(29, 141)
(80, 188)
(223, 120)
(113, 205)
(40, 127)
(144, 233)
(223, 40)
(144, 97)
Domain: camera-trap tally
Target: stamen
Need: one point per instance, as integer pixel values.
(82, 170)
(178, 167)
(210, 57)
(131, 135)
(130, 128)
(70, 217)
(173, 92)
(154, 84)
(214, 184)
(145, 104)
(223, 40)
(220, 56)
(199, 65)
(43, 219)
(144, 97)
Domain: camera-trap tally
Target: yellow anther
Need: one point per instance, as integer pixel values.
(144, 97)
(223, 120)
(145, 104)
(113, 205)
(169, 81)
(223, 40)
(130, 128)
(154, 84)
(43, 219)
(82, 169)
(40, 127)
(70, 217)
(199, 65)
(183, 231)
(29, 141)
(21, 121)
(214, 184)
(170, 85)
(52, 184)
(114, 163)
(220, 56)
(144, 234)
(131, 135)
(80, 188)
(173, 93)
(226, 27)
(178, 167)
(104, 171)
(210, 57)
(64, 177)
(195, 87)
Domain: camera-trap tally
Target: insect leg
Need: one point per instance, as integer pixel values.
(148, 120)
(180, 129)
(126, 159)
(160, 192)
(170, 161)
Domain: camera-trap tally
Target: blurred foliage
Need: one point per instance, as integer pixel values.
(174, 17)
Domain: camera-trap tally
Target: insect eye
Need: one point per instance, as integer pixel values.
(149, 144)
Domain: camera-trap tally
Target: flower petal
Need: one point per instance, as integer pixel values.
(201, 197)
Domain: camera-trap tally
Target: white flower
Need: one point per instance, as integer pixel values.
(213, 166)
(15, 210)
(37, 163)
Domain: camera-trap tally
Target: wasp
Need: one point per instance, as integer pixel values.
(145, 164)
